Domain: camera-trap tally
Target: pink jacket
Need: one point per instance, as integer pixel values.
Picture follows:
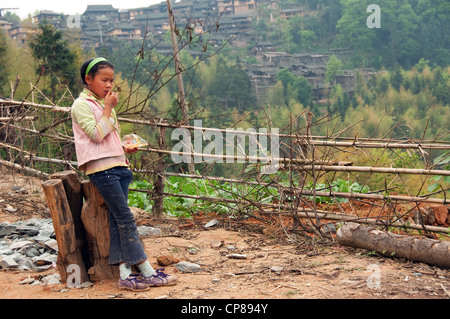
(86, 149)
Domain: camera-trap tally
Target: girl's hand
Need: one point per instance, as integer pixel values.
(111, 99)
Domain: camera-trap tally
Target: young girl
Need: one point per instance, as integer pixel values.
(101, 155)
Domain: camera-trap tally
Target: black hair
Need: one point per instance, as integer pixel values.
(93, 71)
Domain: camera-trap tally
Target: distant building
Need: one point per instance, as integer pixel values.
(230, 7)
(21, 33)
(124, 32)
(5, 25)
(101, 14)
(288, 13)
(56, 19)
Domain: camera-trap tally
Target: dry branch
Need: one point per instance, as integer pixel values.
(24, 169)
(370, 169)
(62, 109)
(50, 160)
(325, 215)
(17, 119)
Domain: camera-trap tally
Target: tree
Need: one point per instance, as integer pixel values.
(286, 77)
(434, 31)
(397, 79)
(230, 85)
(334, 67)
(54, 59)
(296, 88)
(304, 91)
(3, 70)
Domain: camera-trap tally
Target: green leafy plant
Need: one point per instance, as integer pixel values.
(444, 160)
(225, 193)
(338, 185)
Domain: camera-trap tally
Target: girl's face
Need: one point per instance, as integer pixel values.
(102, 82)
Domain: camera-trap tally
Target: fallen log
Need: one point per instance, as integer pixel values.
(430, 251)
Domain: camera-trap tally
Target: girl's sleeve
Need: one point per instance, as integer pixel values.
(83, 115)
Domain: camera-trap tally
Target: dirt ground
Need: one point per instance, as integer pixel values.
(276, 266)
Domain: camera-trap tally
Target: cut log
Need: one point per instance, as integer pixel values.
(74, 195)
(81, 227)
(430, 251)
(69, 252)
(94, 215)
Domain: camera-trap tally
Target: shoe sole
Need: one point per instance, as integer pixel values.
(132, 289)
(148, 287)
(161, 285)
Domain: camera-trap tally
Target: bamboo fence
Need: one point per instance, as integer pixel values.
(303, 158)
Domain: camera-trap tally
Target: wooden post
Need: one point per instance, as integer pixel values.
(94, 215)
(69, 252)
(74, 195)
(178, 72)
(158, 206)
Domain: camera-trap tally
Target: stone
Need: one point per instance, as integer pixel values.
(28, 245)
(47, 231)
(237, 256)
(149, 231)
(193, 251)
(10, 209)
(186, 226)
(44, 259)
(27, 281)
(216, 243)
(185, 266)
(7, 262)
(4, 250)
(52, 244)
(6, 230)
(212, 223)
(166, 260)
(52, 279)
(329, 228)
(86, 284)
(20, 244)
(28, 230)
(440, 213)
(30, 252)
(276, 268)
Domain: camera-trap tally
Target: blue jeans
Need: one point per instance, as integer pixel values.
(125, 244)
